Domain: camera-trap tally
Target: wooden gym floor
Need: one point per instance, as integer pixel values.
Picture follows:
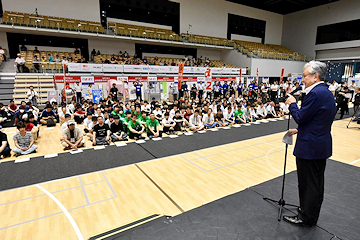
(82, 206)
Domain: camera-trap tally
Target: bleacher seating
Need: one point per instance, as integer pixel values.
(42, 21)
(207, 40)
(47, 66)
(42, 84)
(269, 51)
(143, 32)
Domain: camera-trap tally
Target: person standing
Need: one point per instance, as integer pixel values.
(314, 143)
(78, 91)
(114, 91)
(32, 96)
(138, 87)
(201, 87)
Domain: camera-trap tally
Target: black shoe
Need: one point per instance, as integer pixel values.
(295, 220)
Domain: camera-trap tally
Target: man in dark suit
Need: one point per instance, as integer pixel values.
(314, 143)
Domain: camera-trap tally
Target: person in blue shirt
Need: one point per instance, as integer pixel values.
(47, 114)
(225, 88)
(138, 87)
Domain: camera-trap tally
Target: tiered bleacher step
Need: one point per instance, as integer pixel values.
(6, 88)
(41, 84)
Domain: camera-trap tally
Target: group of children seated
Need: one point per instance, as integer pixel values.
(112, 120)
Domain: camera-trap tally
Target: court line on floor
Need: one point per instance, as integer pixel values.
(352, 163)
(83, 189)
(62, 190)
(64, 210)
(161, 190)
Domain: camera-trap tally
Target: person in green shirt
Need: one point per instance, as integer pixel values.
(135, 128)
(239, 115)
(143, 118)
(152, 127)
(116, 111)
(125, 122)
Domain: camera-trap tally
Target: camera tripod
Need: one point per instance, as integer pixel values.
(356, 113)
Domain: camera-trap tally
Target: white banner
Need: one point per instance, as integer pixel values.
(123, 79)
(87, 79)
(90, 67)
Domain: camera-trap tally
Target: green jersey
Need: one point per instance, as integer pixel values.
(238, 113)
(141, 119)
(116, 113)
(152, 124)
(133, 125)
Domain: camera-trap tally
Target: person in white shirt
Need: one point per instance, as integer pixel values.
(64, 61)
(159, 115)
(195, 122)
(172, 112)
(168, 124)
(261, 111)
(2, 52)
(274, 89)
(229, 115)
(209, 120)
(201, 88)
(20, 62)
(62, 112)
(146, 107)
(285, 108)
(253, 114)
(270, 108)
(78, 91)
(32, 96)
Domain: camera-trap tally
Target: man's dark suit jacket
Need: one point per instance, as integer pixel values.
(314, 120)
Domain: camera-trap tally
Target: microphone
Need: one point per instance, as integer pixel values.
(296, 90)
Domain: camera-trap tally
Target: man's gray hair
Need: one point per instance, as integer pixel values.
(317, 67)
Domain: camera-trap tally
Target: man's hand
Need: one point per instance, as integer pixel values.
(292, 131)
(107, 138)
(290, 99)
(94, 142)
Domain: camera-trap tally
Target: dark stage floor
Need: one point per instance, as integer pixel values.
(245, 215)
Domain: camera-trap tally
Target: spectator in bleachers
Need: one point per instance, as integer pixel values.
(48, 116)
(5, 150)
(2, 52)
(101, 133)
(64, 61)
(23, 48)
(50, 58)
(43, 59)
(20, 63)
(36, 63)
(57, 58)
(36, 51)
(117, 130)
(32, 96)
(72, 137)
(24, 141)
(77, 51)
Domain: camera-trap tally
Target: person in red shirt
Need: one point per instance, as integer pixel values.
(79, 115)
(12, 107)
(30, 127)
(188, 114)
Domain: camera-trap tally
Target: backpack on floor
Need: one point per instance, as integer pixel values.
(50, 123)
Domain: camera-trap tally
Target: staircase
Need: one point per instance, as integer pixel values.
(6, 87)
(42, 84)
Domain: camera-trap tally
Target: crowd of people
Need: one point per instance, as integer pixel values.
(193, 110)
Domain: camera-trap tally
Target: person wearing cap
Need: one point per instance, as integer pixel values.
(47, 114)
(72, 137)
(5, 150)
(20, 62)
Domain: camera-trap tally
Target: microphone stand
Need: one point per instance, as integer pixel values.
(282, 202)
